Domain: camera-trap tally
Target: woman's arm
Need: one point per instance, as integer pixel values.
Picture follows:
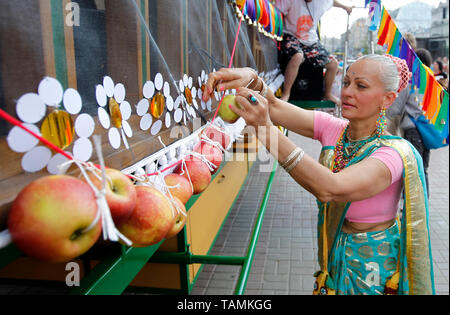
(357, 182)
(284, 114)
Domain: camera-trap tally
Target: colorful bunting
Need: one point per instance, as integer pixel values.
(435, 99)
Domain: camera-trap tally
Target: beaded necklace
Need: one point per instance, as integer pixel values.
(346, 150)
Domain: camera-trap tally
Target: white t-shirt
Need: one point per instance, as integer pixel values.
(299, 21)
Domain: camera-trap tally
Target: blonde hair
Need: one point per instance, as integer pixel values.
(389, 72)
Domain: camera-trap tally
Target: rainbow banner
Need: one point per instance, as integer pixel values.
(435, 99)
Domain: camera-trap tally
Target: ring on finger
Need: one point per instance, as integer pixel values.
(253, 99)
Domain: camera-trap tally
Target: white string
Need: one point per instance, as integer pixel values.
(183, 169)
(211, 165)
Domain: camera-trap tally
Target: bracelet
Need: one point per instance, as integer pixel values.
(291, 157)
(264, 89)
(294, 164)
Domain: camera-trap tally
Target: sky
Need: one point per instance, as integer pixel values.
(334, 21)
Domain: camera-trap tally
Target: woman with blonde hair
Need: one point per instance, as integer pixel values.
(366, 245)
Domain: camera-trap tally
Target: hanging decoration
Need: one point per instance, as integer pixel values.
(263, 15)
(435, 99)
(58, 127)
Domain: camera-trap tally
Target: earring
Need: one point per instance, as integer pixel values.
(381, 122)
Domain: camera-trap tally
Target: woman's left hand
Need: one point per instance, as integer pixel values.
(254, 108)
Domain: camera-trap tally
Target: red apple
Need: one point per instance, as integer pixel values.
(197, 172)
(180, 220)
(150, 220)
(48, 218)
(215, 134)
(120, 193)
(211, 153)
(184, 189)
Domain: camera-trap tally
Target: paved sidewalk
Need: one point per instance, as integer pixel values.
(285, 257)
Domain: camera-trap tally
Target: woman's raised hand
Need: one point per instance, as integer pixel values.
(253, 108)
(229, 78)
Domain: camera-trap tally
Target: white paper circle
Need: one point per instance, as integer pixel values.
(21, 141)
(103, 117)
(178, 115)
(30, 108)
(148, 89)
(84, 126)
(100, 95)
(72, 101)
(203, 104)
(127, 128)
(194, 92)
(169, 103)
(142, 107)
(199, 94)
(82, 149)
(185, 80)
(119, 92)
(208, 105)
(108, 84)
(190, 82)
(125, 110)
(50, 91)
(156, 127)
(177, 102)
(55, 161)
(181, 86)
(203, 74)
(194, 101)
(199, 82)
(36, 159)
(158, 81)
(114, 137)
(146, 121)
(168, 120)
(166, 89)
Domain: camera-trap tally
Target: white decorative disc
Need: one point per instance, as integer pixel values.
(185, 80)
(168, 120)
(208, 105)
(166, 89)
(190, 82)
(148, 89)
(194, 101)
(146, 121)
(125, 110)
(127, 128)
(142, 107)
(55, 161)
(203, 104)
(30, 108)
(178, 115)
(100, 95)
(108, 84)
(114, 137)
(21, 141)
(169, 103)
(194, 92)
(72, 101)
(158, 81)
(82, 149)
(119, 92)
(103, 117)
(36, 159)
(181, 86)
(50, 91)
(84, 126)
(177, 102)
(156, 127)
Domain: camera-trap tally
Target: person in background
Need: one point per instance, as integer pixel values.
(408, 105)
(439, 74)
(301, 41)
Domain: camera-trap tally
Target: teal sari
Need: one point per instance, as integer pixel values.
(363, 263)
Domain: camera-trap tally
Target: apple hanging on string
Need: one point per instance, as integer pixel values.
(211, 153)
(49, 217)
(181, 187)
(225, 112)
(214, 134)
(150, 220)
(196, 172)
(180, 219)
(120, 193)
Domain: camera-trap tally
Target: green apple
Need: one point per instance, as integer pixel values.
(48, 218)
(225, 112)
